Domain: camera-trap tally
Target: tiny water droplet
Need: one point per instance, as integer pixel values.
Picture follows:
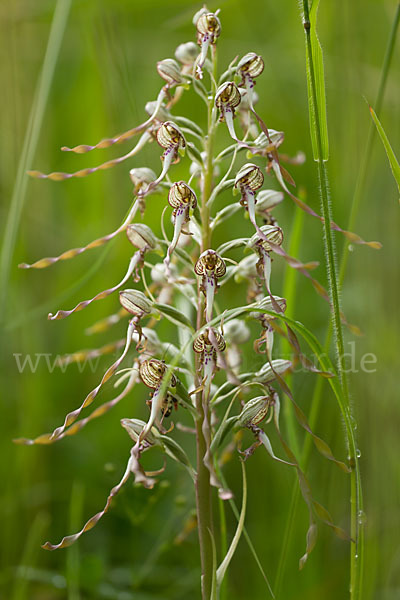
(358, 453)
(362, 517)
(356, 556)
(351, 248)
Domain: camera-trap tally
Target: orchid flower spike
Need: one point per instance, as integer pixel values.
(183, 200)
(208, 30)
(210, 267)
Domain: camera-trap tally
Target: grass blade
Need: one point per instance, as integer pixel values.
(314, 57)
(394, 163)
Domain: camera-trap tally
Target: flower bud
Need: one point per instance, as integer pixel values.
(180, 194)
(275, 139)
(267, 200)
(227, 96)
(267, 374)
(251, 65)
(135, 302)
(141, 236)
(169, 135)
(272, 233)
(267, 304)
(236, 332)
(161, 115)
(134, 427)
(249, 176)
(170, 71)
(152, 371)
(247, 268)
(210, 263)
(141, 177)
(254, 411)
(187, 53)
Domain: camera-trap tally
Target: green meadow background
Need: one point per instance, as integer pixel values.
(98, 73)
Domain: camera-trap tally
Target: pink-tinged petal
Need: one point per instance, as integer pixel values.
(47, 262)
(62, 314)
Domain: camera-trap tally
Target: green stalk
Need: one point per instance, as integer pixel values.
(317, 395)
(203, 486)
(355, 550)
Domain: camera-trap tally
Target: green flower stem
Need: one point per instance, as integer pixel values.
(336, 321)
(203, 487)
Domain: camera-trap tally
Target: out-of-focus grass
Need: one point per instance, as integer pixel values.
(104, 76)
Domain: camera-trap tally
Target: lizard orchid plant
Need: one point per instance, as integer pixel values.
(205, 373)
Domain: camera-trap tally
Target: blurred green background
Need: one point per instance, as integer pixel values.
(104, 75)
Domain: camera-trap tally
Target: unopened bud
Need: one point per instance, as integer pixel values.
(267, 373)
(135, 302)
(141, 177)
(267, 304)
(161, 115)
(275, 139)
(247, 268)
(267, 200)
(254, 411)
(249, 176)
(141, 236)
(187, 53)
(134, 427)
(236, 332)
(272, 233)
(170, 71)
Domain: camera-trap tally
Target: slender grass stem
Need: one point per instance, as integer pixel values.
(355, 485)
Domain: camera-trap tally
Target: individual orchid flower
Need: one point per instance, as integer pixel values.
(227, 98)
(208, 28)
(249, 67)
(183, 200)
(274, 303)
(269, 237)
(170, 71)
(169, 137)
(210, 267)
(248, 180)
(154, 374)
